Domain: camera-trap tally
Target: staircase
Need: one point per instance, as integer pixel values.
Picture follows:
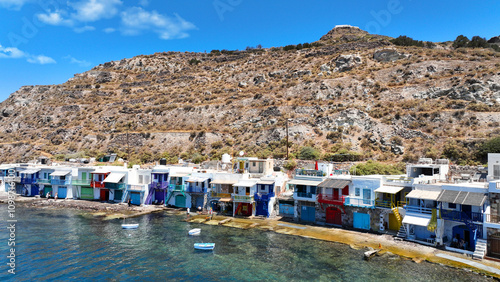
(397, 215)
(401, 233)
(480, 250)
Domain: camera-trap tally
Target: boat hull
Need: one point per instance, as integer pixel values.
(130, 226)
(204, 246)
(194, 232)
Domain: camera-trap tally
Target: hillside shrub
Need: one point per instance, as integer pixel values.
(308, 153)
(373, 167)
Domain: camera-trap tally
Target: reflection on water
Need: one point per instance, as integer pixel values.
(70, 245)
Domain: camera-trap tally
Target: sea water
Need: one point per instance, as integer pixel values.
(67, 245)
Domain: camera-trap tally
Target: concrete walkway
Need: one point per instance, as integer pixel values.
(469, 262)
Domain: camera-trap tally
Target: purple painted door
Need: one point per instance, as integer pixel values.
(159, 195)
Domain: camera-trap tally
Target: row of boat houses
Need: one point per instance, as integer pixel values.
(426, 205)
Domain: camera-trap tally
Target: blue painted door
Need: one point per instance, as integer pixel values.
(180, 201)
(118, 195)
(308, 214)
(159, 195)
(261, 208)
(199, 202)
(34, 190)
(62, 192)
(286, 209)
(135, 198)
(361, 221)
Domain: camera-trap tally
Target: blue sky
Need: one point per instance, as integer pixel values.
(47, 42)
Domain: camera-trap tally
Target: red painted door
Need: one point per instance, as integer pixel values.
(333, 216)
(104, 195)
(335, 194)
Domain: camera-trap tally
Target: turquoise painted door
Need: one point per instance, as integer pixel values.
(308, 214)
(180, 201)
(135, 198)
(118, 195)
(62, 192)
(361, 221)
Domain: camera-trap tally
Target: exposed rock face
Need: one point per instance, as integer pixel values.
(387, 55)
(340, 87)
(346, 62)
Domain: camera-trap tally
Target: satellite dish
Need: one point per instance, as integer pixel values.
(242, 153)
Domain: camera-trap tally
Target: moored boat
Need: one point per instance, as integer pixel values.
(130, 226)
(195, 231)
(204, 246)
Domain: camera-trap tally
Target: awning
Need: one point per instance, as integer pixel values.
(303, 182)
(334, 183)
(462, 198)
(60, 173)
(223, 181)
(266, 182)
(424, 194)
(30, 171)
(197, 179)
(416, 220)
(159, 172)
(389, 189)
(114, 177)
(245, 184)
(225, 200)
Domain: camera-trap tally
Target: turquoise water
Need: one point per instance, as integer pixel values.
(69, 245)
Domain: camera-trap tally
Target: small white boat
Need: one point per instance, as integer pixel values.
(130, 226)
(194, 232)
(204, 246)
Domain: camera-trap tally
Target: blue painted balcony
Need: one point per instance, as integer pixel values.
(60, 182)
(309, 172)
(43, 181)
(263, 197)
(26, 180)
(162, 185)
(195, 189)
(305, 195)
(461, 216)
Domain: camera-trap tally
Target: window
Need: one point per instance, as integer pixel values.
(146, 179)
(452, 206)
(496, 171)
(357, 192)
(141, 179)
(313, 190)
(247, 190)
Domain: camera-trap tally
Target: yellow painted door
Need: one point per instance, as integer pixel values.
(393, 222)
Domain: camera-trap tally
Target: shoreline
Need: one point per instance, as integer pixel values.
(356, 240)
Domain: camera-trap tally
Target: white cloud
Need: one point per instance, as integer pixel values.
(13, 4)
(55, 18)
(144, 3)
(40, 59)
(137, 20)
(84, 29)
(109, 30)
(14, 53)
(81, 63)
(94, 10)
(11, 52)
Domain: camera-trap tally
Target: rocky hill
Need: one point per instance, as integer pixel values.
(350, 92)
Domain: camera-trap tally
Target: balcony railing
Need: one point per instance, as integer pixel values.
(97, 184)
(331, 199)
(263, 197)
(177, 188)
(309, 172)
(116, 186)
(12, 179)
(81, 182)
(27, 180)
(305, 195)
(492, 218)
(389, 204)
(60, 182)
(221, 195)
(136, 188)
(461, 216)
(44, 181)
(401, 180)
(195, 189)
(418, 209)
(163, 185)
(358, 202)
(240, 198)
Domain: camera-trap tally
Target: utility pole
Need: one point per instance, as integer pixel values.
(128, 145)
(286, 124)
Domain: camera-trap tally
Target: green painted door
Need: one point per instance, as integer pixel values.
(47, 189)
(87, 193)
(118, 195)
(180, 201)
